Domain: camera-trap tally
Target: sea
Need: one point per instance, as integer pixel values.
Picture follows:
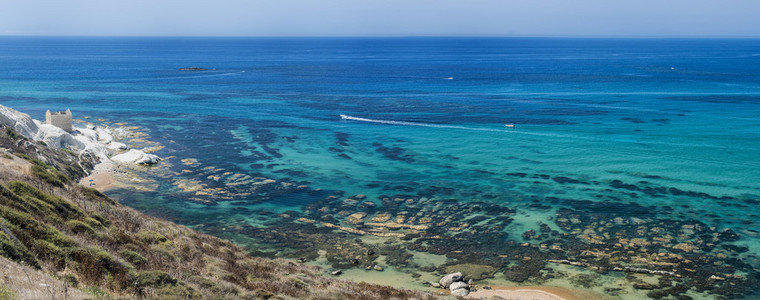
(625, 167)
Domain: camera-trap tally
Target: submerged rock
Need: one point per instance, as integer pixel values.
(644, 286)
(473, 271)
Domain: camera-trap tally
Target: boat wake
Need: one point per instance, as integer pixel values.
(563, 136)
(404, 123)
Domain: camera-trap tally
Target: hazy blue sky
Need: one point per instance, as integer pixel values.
(381, 17)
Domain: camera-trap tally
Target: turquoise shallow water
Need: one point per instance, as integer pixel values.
(664, 131)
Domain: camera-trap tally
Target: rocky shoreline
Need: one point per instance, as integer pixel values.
(76, 243)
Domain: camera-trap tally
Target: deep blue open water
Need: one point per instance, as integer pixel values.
(660, 130)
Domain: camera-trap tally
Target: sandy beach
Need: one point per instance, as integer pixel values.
(531, 293)
(100, 180)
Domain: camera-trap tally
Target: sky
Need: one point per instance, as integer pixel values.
(567, 18)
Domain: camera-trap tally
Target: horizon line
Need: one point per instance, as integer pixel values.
(400, 36)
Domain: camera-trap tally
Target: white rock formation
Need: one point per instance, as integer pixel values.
(95, 140)
(136, 156)
(459, 289)
(447, 280)
(117, 146)
(21, 122)
(57, 138)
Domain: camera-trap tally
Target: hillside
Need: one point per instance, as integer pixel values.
(78, 243)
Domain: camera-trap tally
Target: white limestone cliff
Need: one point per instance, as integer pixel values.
(96, 140)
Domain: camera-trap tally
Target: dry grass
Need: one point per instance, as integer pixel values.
(25, 282)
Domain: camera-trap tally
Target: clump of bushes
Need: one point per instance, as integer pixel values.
(133, 257)
(152, 237)
(55, 205)
(94, 223)
(95, 291)
(42, 240)
(53, 177)
(13, 249)
(79, 227)
(154, 278)
(94, 265)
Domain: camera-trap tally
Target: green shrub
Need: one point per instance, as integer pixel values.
(297, 283)
(96, 265)
(32, 204)
(15, 217)
(27, 228)
(152, 237)
(54, 236)
(133, 257)
(162, 255)
(178, 292)
(45, 172)
(92, 222)
(60, 206)
(119, 236)
(80, 227)
(42, 173)
(15, 251)
(95, 291)
(26, 203)
(105, 222)
(47, 250)
(49, 253)
(154, 278)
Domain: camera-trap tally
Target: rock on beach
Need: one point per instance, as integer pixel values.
(447, 280)
(459, 288)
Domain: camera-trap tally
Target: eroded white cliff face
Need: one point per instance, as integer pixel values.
(96, 140)
(21, 122)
